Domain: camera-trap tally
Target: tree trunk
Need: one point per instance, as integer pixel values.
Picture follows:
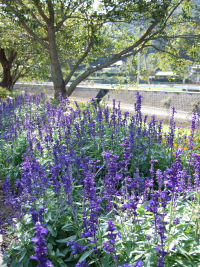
(7, 81)
(56, 72)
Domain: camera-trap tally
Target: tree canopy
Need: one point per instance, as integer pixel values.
(90, 35)
(19, 56)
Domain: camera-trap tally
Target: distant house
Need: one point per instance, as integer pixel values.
(164, 75)
(195, 74)
(114, 67)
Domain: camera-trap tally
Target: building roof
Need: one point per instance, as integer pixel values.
(164, 73)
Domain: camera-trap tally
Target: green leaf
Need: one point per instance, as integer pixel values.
(65, 240)
(22, 256)
(85, 255)
(68, 227)
(51, 230)
(16, 264)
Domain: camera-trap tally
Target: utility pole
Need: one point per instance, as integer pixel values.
(138, 68)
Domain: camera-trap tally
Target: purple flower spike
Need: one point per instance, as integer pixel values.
(109, 246)
(75, 246)
(40, 246)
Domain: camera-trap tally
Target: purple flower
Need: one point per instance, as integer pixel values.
(159, 179)
(106, 114)
(138, 108)
(90, 220)
(6, 189)
(196, 164)
(1, 225)
(176, 221)
(109, 246)
(139, 263)
(127, 149)
(111, 179)
(171, 134)
(82, 264)
(40, 246)
(193, 127)
(160, 223)
(75, 246)
(132, 205)
(173, 175)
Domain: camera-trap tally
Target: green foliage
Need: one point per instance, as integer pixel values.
(196, 106)
(11, 157)
(4, 93)
(138, 239)
(93, 34)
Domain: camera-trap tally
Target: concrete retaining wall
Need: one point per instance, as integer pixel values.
(183, 101)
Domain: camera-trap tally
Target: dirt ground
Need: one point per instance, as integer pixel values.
(6, 214)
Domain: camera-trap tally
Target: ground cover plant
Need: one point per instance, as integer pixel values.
(91, 186)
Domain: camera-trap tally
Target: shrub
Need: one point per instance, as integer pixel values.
(4, 93)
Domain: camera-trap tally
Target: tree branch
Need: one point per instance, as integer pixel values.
(39, 8)
(31, 13)
(164, 51)
(121, 55)
(27, 28)
(51, 12)
(65, 17)
(80, 60)
(184, 36)
(33, 35)
(168, 17)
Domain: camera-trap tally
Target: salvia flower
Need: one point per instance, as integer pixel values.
(40, 247)
(76, 246)
(138, 108)
(109, 246)
(82, 264)
(139, 263)
(171, 134)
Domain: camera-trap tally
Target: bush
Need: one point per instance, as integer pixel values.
(4, 93)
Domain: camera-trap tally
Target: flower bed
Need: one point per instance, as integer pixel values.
(93, 187)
